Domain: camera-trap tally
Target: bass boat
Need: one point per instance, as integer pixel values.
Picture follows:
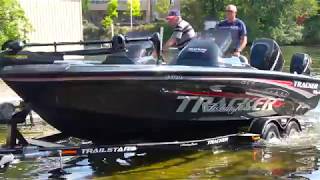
(132, 96)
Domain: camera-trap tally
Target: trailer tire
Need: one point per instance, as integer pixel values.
(270, 131)
(292, 128)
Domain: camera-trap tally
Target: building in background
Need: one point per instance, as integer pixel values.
(54, 20)
(97, 11)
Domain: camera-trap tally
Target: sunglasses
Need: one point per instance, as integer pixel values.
(229, 11)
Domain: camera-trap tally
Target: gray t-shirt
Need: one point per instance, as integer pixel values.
(183, 33)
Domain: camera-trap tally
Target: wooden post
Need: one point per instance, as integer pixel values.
(11, 136)
(112, 30)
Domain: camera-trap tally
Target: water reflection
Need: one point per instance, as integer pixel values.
(284, 163)
(247, 164)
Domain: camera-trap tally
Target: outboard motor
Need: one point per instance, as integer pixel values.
(266, 55)
(300, 64)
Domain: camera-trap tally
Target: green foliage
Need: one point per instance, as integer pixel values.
(136, 12)
(192, 11)
(107, 22)
(85, 5)
(154, 27)
(163, 6)
(13, 22)
(112, 9)
(311, 32)
(264, 18)
(90, 31)
(305, 7)
(286, 33)
(278, 19)
(112, 14)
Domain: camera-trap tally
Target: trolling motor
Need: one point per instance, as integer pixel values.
(14, 45)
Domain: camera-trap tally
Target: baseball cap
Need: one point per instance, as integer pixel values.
(173, 13)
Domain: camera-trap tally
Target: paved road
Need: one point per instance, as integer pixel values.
(6, 94)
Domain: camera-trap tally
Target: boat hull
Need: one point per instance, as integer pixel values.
(123, 105)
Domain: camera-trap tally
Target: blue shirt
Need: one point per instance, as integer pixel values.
(237, 28)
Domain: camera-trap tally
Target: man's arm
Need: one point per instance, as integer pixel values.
(170, 43)
(243, 39)
(243, 43)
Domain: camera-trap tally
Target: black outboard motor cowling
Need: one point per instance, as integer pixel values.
(266, 55)
(300, 64)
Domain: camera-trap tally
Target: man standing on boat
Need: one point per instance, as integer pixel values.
(183, 32)
(237, 28)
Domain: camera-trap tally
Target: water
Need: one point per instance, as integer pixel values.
(314, 52)
(294, 158)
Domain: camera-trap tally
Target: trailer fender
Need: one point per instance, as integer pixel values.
(258, 125)
(293, 124)
(295, 120)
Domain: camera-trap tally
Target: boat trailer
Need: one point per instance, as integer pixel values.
(18, 147)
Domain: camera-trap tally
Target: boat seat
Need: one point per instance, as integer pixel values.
(199, 52)
(136, 53)
(266, 54)
(119, 58)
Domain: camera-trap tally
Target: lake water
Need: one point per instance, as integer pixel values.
(293, 158)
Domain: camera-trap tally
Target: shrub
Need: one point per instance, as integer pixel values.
(311, 32)
(147, 28)
(13, 22)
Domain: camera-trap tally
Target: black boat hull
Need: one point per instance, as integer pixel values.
(122, 105)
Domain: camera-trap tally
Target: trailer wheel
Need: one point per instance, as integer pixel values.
(270, 131)
(292, 128)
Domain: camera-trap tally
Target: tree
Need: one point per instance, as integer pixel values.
(13, 22)
(264, 18)
(278, 20)
(163, 6)
(136, 11)
(112, 13)
(196, 11)
(311, 32)
(85, 5)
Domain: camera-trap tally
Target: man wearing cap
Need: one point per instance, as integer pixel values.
(183, 32)
(237, 27)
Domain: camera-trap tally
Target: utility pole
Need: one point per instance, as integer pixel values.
(148, 14)
(131, 14)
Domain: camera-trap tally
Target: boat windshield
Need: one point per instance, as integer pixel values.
(211, 48)
(221, 37)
